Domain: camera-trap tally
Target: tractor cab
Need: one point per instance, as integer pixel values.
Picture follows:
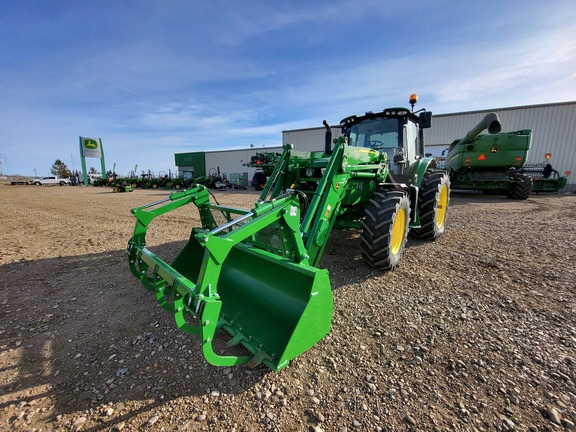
(394, 132)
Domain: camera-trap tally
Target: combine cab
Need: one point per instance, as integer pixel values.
(255, 273)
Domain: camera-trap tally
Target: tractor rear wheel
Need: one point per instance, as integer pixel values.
(433, 204)
(520, 187)
(385, 229)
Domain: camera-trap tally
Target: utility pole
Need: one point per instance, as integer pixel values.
(5, 165)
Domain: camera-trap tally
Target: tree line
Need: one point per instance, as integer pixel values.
(59, 169)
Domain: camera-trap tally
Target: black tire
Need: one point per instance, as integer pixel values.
(154, 185)
(62, 183)
(177, 186)
(385, 229)
(520, 187)
(259, 180)
(433, 199)
(37, 184)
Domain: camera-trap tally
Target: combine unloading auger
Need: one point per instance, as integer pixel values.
(255, 273)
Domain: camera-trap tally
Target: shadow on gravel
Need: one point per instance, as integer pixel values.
(343, 258)
(82, 331)
(465, 198)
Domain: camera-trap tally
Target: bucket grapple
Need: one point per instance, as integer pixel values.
(249, 275)
(255, 273)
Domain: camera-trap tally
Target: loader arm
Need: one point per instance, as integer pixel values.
(349, 177)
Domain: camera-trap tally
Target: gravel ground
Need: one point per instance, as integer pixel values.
(476, 331)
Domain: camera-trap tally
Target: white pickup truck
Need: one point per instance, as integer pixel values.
(52, 180)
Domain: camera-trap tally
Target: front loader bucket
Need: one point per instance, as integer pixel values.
(249, 276)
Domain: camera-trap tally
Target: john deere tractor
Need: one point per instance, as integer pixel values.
(491, 163)
(256, 273)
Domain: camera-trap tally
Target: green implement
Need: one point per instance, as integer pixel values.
(249, 276)
(544, 177)
(256, 273)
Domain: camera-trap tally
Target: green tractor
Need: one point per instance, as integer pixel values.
(491, 163)
(123, 185)
(213, 180)
(256, 273)
(183, 180)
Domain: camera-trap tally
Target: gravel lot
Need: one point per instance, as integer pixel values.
(476, 331)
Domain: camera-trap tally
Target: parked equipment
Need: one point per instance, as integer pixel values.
(264, 162)
(544, 177)
(213, 180)
(183, 180)
(255, 273)
(491, 163)
(122, 186)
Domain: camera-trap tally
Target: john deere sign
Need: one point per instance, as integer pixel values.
(91, 148)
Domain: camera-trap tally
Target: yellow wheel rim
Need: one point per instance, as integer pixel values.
(442, 207)
(398, 229)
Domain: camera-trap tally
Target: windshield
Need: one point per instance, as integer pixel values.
(378, 134)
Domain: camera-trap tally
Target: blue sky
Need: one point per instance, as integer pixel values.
(154, 78)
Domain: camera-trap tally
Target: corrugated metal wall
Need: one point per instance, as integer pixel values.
(311, 139)
(553, 131)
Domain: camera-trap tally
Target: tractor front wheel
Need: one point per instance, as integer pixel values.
(520, 187)
(433, 204)
(385, 229)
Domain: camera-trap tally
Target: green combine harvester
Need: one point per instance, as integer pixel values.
(491, 163)
(256, 273)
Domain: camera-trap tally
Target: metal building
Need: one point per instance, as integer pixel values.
(311, 139)
(553, 131)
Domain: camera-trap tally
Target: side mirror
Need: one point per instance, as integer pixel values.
(425, 119)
